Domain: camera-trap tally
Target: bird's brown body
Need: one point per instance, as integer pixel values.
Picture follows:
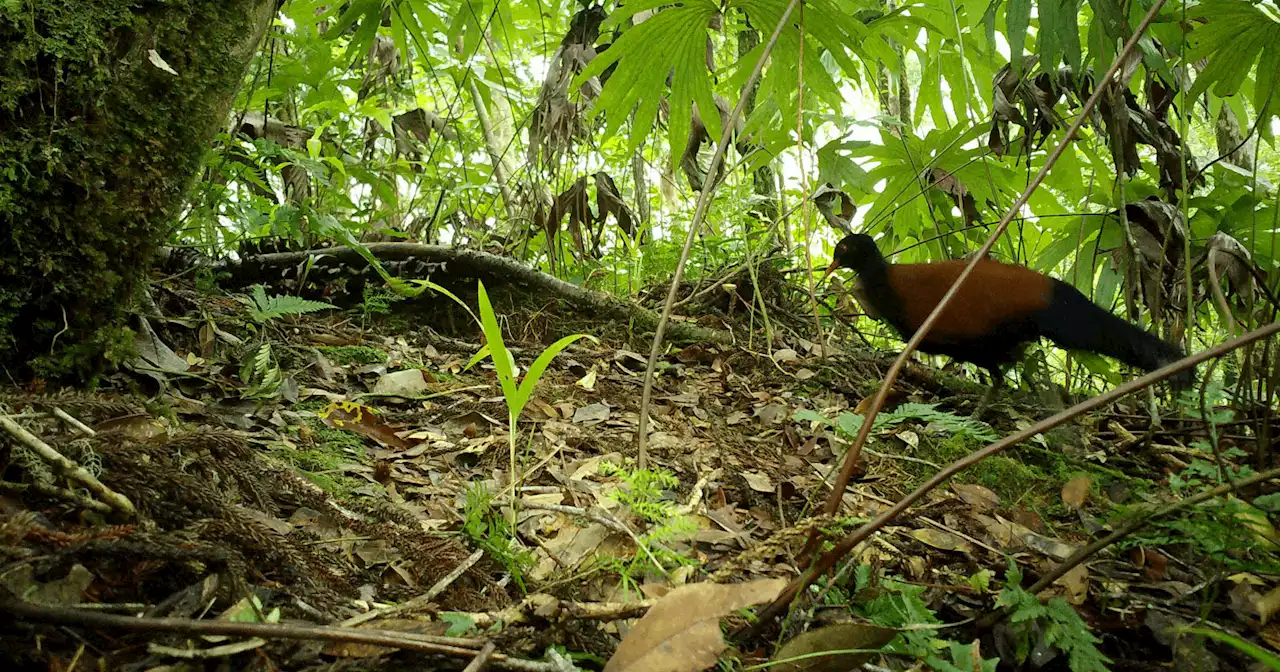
(993, 294)
(999, 308)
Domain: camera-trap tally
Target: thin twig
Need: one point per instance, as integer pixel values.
(699, 214)
(69, 468)
(482, 658)
(74, 422)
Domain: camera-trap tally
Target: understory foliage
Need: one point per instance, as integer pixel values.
(576, 137)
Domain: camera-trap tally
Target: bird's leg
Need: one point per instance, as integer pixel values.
(997, 381)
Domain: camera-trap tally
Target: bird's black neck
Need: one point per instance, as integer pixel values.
(873, 270)
(873, 275)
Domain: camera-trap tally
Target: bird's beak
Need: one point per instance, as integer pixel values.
(830, 269)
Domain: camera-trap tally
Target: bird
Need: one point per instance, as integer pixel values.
(999, 308)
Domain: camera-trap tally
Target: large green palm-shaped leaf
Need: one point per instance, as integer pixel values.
(1234, 36)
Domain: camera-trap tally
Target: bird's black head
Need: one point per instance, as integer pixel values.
(857, 252)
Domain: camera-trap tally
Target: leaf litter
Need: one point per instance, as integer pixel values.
(379, 497)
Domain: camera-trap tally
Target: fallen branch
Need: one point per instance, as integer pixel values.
(541, 608)
(458, 647)
(69, 468)
(465, 262)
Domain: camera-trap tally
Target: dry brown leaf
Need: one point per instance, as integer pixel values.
(1244, 601)
(1268, 605)
(942, 540)
(1271, 635)
(1076, 583)
(758, 481)
(681, 633)
(361, 420)
(979, 497)
(833, 639)
(1076, 492)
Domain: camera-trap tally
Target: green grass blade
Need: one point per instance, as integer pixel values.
(498, 349)
(540, 365)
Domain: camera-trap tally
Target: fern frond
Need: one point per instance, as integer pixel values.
(265, 308)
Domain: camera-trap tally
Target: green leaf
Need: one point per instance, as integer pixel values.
(493, 337)
(810, 415)
(989, 22)
(478, 357)
(263, 308)
(1059, 34)
(1232, 36)
(460, 623)
(1052, 33)
(1271, 660)
(1017, 19)
(540, 365)
(672, 38)
(356, 11)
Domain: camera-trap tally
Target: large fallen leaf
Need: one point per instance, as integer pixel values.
(361, 420)
(681, 633)
(1268, 605)
(1076, 491)
(1076, 584)
(834, 648)
(981, 498)
(942, 540)
(408, 383)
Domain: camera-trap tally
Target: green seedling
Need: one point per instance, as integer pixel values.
(516, 395)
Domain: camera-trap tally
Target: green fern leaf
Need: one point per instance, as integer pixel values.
(264, 308)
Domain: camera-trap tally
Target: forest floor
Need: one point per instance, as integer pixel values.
(325, 467)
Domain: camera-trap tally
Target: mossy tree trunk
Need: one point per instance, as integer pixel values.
(99, 141)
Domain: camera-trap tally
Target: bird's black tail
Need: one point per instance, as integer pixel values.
(1074, 322)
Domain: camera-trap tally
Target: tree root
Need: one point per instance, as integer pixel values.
(464, 262)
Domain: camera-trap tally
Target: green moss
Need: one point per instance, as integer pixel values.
(322, 462)
(344, 444)
(97, 148)
(354, 354)
(1006, 475)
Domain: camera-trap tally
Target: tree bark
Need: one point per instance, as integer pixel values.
(106, 110)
